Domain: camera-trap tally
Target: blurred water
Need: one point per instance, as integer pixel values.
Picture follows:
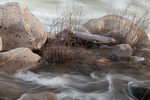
(71, 87)
(47, 10)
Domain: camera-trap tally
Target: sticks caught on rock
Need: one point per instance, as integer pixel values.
(97, 39)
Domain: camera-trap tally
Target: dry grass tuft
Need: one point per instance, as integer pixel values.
(63, 54)
(71, 17)
(59, 53)
(131, 31)
(61, 47)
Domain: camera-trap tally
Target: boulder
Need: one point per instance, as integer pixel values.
(39, 96)
(122, 26)
(20, 28)
(1, 45)
(16, 59)
(122, 50)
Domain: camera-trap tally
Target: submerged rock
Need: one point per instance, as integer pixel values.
(120, 28)
(18, 59)
(1, 45)
(20, 28)
(122, 50)
(39, 96)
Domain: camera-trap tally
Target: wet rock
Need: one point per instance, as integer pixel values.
(120, 28)
(39, 96)
(114, 57)
(20, 28)
(16, 59)
(1, 45)
(132, 59)
(138, 92)
(112, 61)
(145, 52)
(121, 50)
(103, 61)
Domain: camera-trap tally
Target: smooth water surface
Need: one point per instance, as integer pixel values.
(47, 10)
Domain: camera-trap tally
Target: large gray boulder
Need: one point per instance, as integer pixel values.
(39, 96)
(122, 50)
(18, 59)
(1, 45)
(20, 28)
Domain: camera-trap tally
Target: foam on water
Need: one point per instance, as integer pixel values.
(78, 87)
(48, 80)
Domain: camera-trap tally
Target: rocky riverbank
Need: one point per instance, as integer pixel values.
(103, 44)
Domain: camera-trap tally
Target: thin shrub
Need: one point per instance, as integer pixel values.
(71, 17)
(61, 48)
(130, 31)
(59, 53)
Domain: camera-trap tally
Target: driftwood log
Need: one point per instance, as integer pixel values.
(96, 39)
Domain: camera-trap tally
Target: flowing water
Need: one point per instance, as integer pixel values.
(47, 10)
(74, 87)
(71, 87)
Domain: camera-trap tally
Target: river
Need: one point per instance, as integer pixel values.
(48, 10)
(71, 87)
(75, 87)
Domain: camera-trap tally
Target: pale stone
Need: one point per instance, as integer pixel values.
(18, 59)
(38, 96)
(20, 28)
